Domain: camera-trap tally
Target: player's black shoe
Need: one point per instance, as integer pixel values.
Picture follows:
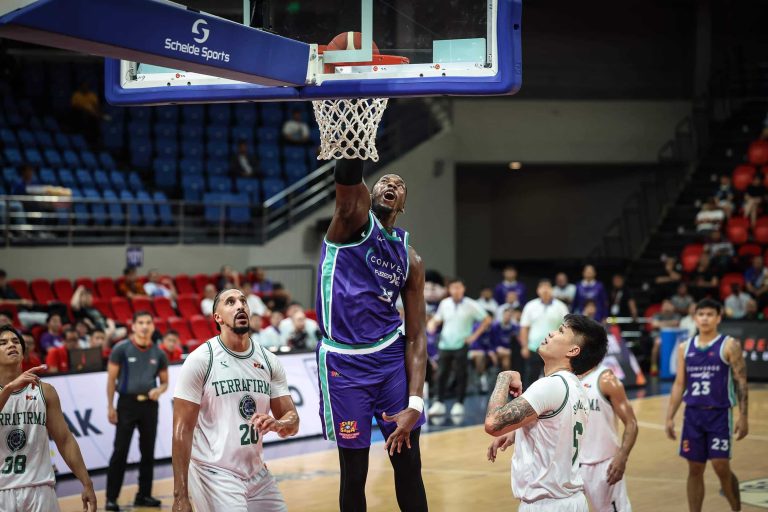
(113, 506)
(146, 501)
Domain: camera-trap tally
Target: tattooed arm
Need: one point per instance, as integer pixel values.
(735, 358)
(502, 415)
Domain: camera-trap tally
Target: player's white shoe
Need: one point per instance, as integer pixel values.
(437, 409)
(457, 409)
(484, 383)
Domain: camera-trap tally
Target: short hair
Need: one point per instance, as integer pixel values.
(455, 280)
(171, 332)
(128, 270)
(10, 328)
(544, 281)
(98, 329)
(709, 304)
(2, 273)
(509, 267)
(67, 331)
(594, 342)
(140, 313)
(216, 303)
(51, 315)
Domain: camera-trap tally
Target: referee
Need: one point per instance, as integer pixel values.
(135, 366)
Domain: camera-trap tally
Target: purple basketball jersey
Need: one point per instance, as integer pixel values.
(708, 377)
(359, 283)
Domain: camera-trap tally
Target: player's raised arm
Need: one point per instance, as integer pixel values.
(504, 416)
(676, 395)
(735, 358)
(353, 201)
(612, 388)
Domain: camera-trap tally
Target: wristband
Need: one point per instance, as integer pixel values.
(416, 402)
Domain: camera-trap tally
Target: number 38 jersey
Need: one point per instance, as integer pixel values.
(230, 387)
(709, 383)
(25, 455)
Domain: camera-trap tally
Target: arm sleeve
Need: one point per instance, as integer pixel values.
(480, 313)
(440, 313)
(279, 385)
(525, 318)
(547, 394)
(162, 361)
(117, 353)
(348, 172)
(191, 380)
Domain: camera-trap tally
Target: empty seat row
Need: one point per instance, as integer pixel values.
(41, 139)
(54, 158)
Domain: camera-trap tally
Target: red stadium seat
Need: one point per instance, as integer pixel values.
(62, 289)
(143, 303)
(750, 250)
(760, 231)
(194, 344)
(41, 291)
(690, 256)
(105, 288)
(742, 177)
(21, 288)
(201, 328)
(181, 326)
(311, 313)
(758, 152)
(122, 309)
(727, 280)
(11, 310)
(161, 324)
(200, 280)
(163, 307)
(183, 284)
(737, 230)
(188, 305)
(86, 282)
(648, 313)
(104, 307)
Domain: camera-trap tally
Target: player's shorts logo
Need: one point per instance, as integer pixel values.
(348, 430)
(686, 446)
(247, 407)
(16, 440)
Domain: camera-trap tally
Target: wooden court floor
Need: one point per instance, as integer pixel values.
(459, 478)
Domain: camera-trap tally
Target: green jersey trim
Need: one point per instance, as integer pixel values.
(234, 354)
(210, 362)
(562, 406)
(366, 235)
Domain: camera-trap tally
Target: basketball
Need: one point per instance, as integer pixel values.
(349, 41)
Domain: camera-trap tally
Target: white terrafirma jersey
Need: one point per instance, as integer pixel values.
(546, 460)
(230, 387)
(602, 443)
(25, 455)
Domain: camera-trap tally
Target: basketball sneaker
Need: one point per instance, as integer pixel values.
(457, 409)
(437, 408)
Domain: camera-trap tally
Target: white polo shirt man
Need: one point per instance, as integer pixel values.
(541, 318)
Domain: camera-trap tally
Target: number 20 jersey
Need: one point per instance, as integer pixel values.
(709, 383)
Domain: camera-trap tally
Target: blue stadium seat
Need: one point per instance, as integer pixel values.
(192, 133)
(117, 114)
(213, 208)
(101, 179)
(217, 166)
(85, 178)
(80, 210)
(164, 211)
(112, 135)
(166, 148)
(138, 130)
(270, 168)
(166, 131)
(193, 114)
(71, 159)
(8, 137)
(165, 173)
(47, 176)
(272, 187)
(44, 139)
(62, 140)
(132, 209)
(239, 212)
(314, 135)
(294, 154)
(89, 159)
(217, 133)
(268, 151)
(114, 209)
(134, 181)
(140, 114)
(141, 153)
(106, 161)
(241, 132)
(117, 179)
(217, 150)
(250, 148)
(295, 171)
(267, 134)
(271, 114)
(245, 113)
(13, 156)
(220, 184)
(219, 113)
(78, 142)
(33, 157)
(250, 186)
(53, 157)
(192, 149)
(167, 114)
(26, 138)
(193, 181)
(191, 166)
(67, 179)
(148, 210)
(98, 210)
(10, 175)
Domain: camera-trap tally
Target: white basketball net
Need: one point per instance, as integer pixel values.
(348, 127)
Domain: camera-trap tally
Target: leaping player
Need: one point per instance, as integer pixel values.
(711, 378)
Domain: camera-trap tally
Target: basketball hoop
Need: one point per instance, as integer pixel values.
(348, 127)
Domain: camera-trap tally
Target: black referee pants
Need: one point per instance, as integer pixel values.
(132, 414)
(456, 361)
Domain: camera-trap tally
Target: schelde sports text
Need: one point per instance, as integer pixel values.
(193, 49)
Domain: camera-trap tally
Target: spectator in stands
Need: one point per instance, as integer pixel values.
(736, 302)
(512, 302)
(434, 290)
(756, 281)
(671, 272)
(682, 300)
(259, 282)
(622, 301)
(752, 312)
(286, 324)
(52, 337)
(302, 333)
(243, 163)
(171, 346)
(86, 112)
(753, 198)
(295, 130)
(487, 301)
(591, 288)
(99, 340)
(563, 290)
(82, 308)
(504, 335)
(509, 283)
(209, 294)
(157, 286)
(83, 334)
(703, 280)
(720, 252)
(590, 309)
(710, 218)
(688, 322)
(724, 195)
(57, 358)
(255, 304)
(228, 278)
(267, 338)
(6, 318)
(130, 286)
(29, 184)
(8, 294)
(31, 357)
(667, 317)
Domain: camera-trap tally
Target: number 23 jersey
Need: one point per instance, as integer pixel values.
(709, 382)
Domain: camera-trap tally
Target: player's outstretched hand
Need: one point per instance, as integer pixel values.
(742, 428)
(182, 504)
(26, 378)
(405, 420)
(616, 469)
(670, 429)
(89, 499)
(500, 443)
